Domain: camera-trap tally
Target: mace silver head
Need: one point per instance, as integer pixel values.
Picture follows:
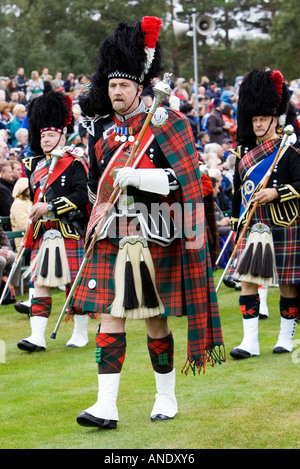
(161, 90)
(288, 133)
(58, 152)
(288, 130)
(56, 155)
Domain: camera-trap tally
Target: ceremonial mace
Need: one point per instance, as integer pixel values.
(288, 130)
(224, 247)
(56, 155)
(161, 90)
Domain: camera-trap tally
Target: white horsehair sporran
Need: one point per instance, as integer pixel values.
(136, 295)
(51, 263)
(257, 263)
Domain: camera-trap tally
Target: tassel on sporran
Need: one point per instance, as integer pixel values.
(136, 295)
(257, 263)
(51, 261)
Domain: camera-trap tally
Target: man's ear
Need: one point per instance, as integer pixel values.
(139, 91)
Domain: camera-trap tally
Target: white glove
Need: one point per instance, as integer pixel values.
(127, 177)
(150, 180)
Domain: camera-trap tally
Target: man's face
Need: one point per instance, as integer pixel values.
(7, 174)
(206, 139)
(23, 139)
(264, 126)
(4, 146)
(50, 139)
(216, 189)
(17, 171)
(227, 146)
(124, 95)
(14, 97)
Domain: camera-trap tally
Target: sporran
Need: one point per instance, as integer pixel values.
(257, 264)
(51, 262)
(136, 294)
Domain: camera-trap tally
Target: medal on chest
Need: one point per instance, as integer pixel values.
(123, 134)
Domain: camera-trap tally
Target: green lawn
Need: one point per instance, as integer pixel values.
(247, 404)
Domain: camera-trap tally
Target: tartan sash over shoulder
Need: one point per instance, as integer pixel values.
(205, 339)
(253, 167)
(256, 155)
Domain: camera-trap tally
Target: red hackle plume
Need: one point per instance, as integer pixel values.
(151, 26)
(277, 79)
(69, 101)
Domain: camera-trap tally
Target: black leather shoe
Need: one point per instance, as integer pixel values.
(88, 420)
(229, 283)
(21, 308)
(160, 417)
(262, 316)
(239, 353)
(29, 347)
(232, 284)
(280, 350)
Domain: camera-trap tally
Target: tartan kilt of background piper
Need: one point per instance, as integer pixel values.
(74, 250)
(286, 245)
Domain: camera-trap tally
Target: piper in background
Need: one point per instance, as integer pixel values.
(270, 251)
(140, 267)
(59, 219)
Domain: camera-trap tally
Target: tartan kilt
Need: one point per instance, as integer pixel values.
(100, 268)
(74, 250)
(286, 246)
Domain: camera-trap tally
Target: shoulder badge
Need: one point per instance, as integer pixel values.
(75, 151)
(89, 125)
(28, 162)
(160, 117)
(237, 151)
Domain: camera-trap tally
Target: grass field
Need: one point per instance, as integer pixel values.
(247, 404)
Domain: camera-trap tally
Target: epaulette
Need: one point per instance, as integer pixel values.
(237, 151)
(89, 124)
(78, 155)
(74, 151)
(296, 146)
(28, 162)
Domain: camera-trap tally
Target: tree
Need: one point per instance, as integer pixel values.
(285, 38)
(65, 34)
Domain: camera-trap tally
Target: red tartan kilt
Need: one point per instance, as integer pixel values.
(168, 270)
(74, 250)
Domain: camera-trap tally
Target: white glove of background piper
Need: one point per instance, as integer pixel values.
(150, 180)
